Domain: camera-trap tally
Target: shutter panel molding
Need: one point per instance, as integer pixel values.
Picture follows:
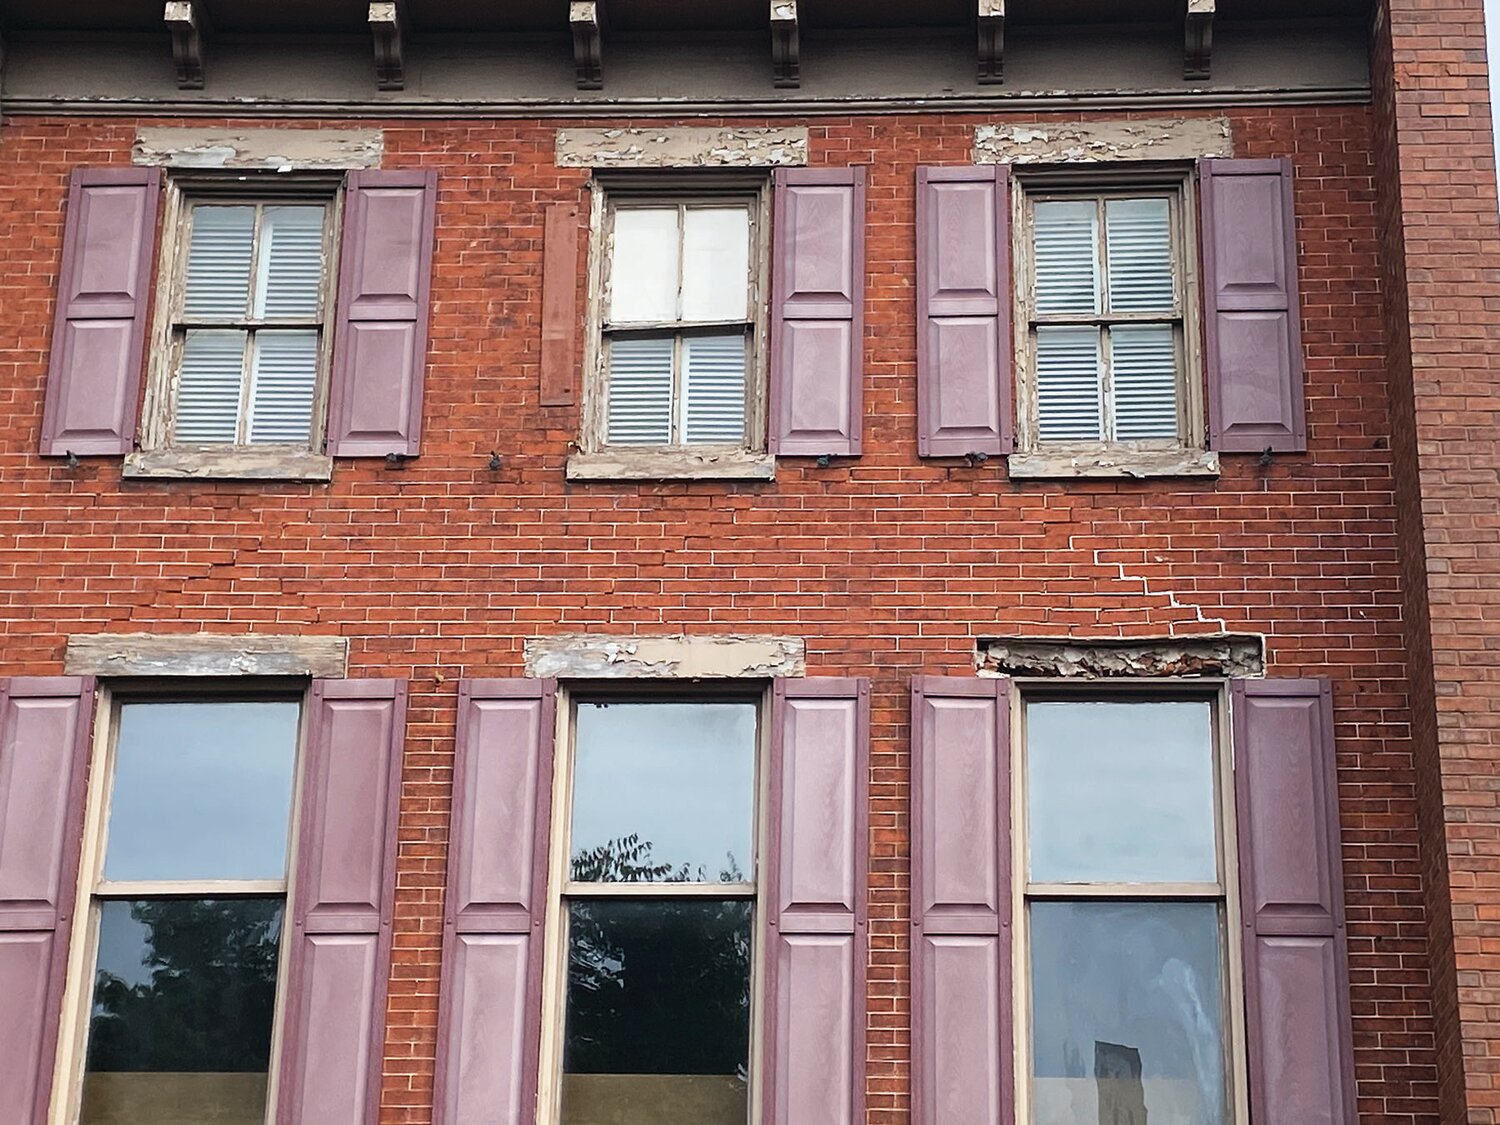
(962, 1022)
(1252, 316)
(384, 294)
(489, 1021)
(1301, 1048)
(45, 730)
(817, 902)
(817, 313)
(560, 374)
(342, 903)
(965, 395)
(103, 296)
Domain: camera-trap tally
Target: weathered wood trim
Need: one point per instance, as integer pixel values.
(388, 29)
(1198, 40)
(205, 654)
(1227, 655)
(279, 150)
(592, 656)
(786, 45)
(230, 463)
(1162, 138)
(586, 18)
(670, 464)
(991, 17)
(1112, 461)
(187, 20)
(681, 148)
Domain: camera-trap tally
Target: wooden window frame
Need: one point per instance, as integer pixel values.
(1214, 692)
(702, 189)
(560, 887)
(1179, 186)
(93, 889)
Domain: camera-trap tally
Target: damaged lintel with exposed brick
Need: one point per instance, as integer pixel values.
(1065, 658)
(587, 656)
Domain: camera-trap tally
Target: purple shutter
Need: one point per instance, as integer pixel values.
(489, 1023)
(1301, 1048)
(960, 904)
(1252, 319)
(342, 903)
(45, 726)
(380, 339)
(817, 315)
(816, 911)
(103, 294)
(963, 311)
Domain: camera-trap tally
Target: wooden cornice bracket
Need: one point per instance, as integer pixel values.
(1198, 49)
(388, 26)
(587, 20)
(187, 20)
(991, 41)
(786, 67)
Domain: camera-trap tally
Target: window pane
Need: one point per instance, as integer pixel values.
(716, 263)
(1143, 358)
(1139, 235)
(180, 1029)
(1067, 256)
(1127, 1013)
(640, 391)
(218, 266)
(1121, 792)
(714, 382)
(643, 266)
(201, 791)
(282, 386)
(1069, 400)
(209, 386)
(664, 792)
(658, 1012)
(289, 272)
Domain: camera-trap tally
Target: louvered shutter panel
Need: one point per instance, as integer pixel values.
(342, 903)
(960, 907)
(1301, 1050)
(817, 931)
(489, 1025)
(99, 334)
(45, 726)
(1252, 318)
(380, 338)
(817, 315)
(964, 389)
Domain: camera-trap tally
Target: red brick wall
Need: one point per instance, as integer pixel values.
(887, 566)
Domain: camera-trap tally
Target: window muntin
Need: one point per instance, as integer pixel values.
(657, 985)
(185, 943)
(1125, 910)
(1103, 301)
(248, 332)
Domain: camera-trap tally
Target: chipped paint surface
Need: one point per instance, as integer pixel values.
(1103, 461)
(1227, 655)
(280, 150)
(591, 656)
(205, 654)
(681, 148)
(1174, 138)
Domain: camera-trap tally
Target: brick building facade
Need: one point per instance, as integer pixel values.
(1366, 560)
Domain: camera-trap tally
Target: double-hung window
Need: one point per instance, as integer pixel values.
(654, 895)
(187, 890)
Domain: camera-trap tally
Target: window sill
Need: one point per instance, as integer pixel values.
(229, 464)
(1103, 461)
(671, 464)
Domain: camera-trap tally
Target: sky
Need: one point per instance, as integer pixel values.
(1492, 38)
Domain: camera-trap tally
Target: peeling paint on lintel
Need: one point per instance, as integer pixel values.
(1161, 138)
(277, 150)
(1229, 654)
(205, 654)
(681, 148)
(587, 656)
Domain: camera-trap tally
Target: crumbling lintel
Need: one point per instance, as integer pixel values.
(388, 26)
(586, 17)
(593, 656)
(187, 20)
(991, 41)
(1197, 61)
(1221, 655)
(786, 66)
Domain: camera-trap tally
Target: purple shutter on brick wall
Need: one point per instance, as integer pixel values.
(45, 726)
(960, 905)
(342, 903)
(380, 339)
(817, 313)
(1297, 1009)
(816, 909)
(103, 294)
(1252, 319)
(963, 311)
(489, 1022)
